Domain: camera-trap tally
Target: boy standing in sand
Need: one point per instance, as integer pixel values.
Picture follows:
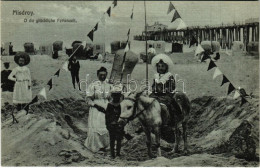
(116, 131)
(74, 70)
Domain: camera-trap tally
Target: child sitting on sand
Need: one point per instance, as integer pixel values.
(21, 75)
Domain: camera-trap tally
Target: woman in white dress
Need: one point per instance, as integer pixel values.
(97, 98)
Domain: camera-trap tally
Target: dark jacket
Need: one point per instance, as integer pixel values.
(74, 66)
(112, 115)
(6, 84)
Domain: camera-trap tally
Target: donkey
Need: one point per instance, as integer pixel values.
(149, 111)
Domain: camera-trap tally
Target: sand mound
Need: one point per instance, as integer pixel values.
(53, 134)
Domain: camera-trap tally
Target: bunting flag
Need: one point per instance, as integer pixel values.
(211, 65)
(114, 3)
(127, 47)
(181, 25)
(43, 93)
(236, 95)
(243, 101)
(65, 66)
(91, 35)
(175, 16)
(205, 56)
(109, 11)
(193, 41)
(34, 100)
(50, 84)
(132, 15)
(171, 7)
(217, 73)
(230, 88)
(95, 28)
(224, 80)
(57, 73)
(199, 50)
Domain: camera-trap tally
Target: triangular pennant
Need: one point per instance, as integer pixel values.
(132, 15)
(243, 101)
(96, 27)
(236, 95)
(204, 57)
(50, 84)
(211, 65)
(34, 100)
(171, 7)
(217, 73)
(193, 41)
(182, 25)
(57, 73)
(199, 50)
(115, 3)
(128, 32)
(43, 93)
(109, 11)
(127, 47)
(91, 35)
(224, 80)
(175, 16)
(230, 88)
(65, 66)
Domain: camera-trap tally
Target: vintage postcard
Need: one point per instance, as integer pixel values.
(130, 83)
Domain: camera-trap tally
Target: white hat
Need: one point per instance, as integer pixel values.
(165, 58)
(117, 88)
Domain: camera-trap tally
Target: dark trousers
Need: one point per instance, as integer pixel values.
(75, 77)
(115, 136)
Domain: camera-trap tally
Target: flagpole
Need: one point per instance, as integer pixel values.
(146, 47)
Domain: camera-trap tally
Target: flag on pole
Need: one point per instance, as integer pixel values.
(57, 73)
(91, 35)
(236, 95)
(224, 80)
(109, 11)
(199, 50)
(43, 93)
(193, 41)
(181, 25)
(171, 7)
(211, 65)
(230, 88)
(115, 3)
(175, 16)
(96, 27)
(217, 73)
(50, 84)
(65, 66)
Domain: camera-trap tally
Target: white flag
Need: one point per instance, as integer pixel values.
(237, 94)
(217, 73)
(84, 43)
(181, 25)
(126, 47)
(43, 93)
(65, 66)
(199, 50)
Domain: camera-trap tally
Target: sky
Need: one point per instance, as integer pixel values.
(87, 14)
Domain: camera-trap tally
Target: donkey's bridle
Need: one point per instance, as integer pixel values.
(134, 115)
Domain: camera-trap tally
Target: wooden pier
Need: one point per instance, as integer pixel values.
(225, 34)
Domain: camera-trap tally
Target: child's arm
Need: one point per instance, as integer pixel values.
(12, 74)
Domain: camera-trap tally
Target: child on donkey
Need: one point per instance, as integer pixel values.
(21, 75)
(163, 87)
(112, 114)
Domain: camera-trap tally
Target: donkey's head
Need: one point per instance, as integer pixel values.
(129, 106)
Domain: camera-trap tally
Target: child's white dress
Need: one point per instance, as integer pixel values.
(22, 77)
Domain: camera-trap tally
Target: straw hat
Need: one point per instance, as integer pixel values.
(165, 58)
(23, 55)
(117, 89)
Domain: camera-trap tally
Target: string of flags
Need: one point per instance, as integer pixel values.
(127, 47)
(176, 15)
(102, 19)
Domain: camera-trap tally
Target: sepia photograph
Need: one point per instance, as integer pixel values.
(129, 83)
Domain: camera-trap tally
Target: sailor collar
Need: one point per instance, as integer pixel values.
(162, 78)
